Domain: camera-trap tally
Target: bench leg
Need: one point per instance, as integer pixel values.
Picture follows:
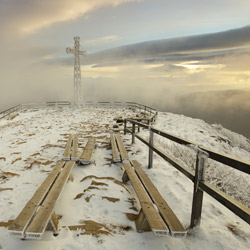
(53, 224)
(142, 223)
(125, 177)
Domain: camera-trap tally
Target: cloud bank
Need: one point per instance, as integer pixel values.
(205, 45)
(27, 16)
(230, 108)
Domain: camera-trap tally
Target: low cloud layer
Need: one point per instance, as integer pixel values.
(211, 44)
(230, 108)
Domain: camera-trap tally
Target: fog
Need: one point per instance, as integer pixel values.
(228, 108)
(203, 76)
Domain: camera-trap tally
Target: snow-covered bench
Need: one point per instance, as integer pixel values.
(118, 150)
(155, 213)
(71, 148)
(38, 213)
(85, 157)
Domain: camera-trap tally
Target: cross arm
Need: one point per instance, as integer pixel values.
(82, 53)
(69, 50)
(73, 51)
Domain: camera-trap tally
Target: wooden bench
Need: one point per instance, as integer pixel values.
(38, 213)
(71, 148)
(85, 157)
(74, 152)
(118, 150)
(116, 128)
(155, 213)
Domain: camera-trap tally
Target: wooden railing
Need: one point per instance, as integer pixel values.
(33, 105)
(58, 103)
(152, 113)
(197, 176)
(9, 111)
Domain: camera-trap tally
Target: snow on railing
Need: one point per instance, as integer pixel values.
(152, 113)
(10, 111)
(200, 185)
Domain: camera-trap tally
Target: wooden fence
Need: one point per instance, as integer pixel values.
(197, 177)
(152, 113)
(10, 110)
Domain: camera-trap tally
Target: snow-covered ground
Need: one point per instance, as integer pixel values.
(34, 140)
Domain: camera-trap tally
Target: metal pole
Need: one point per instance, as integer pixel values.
(198, 193)
(125, 127)
(151, 144)
(133, 133)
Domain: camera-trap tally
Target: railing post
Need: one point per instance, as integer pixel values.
(133, 133)
(125, 127)
(151, 144)
(198, 193)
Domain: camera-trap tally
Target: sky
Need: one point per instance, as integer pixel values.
(190, 57)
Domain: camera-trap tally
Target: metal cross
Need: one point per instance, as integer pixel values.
(78, 96)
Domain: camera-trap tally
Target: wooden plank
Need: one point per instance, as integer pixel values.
(154, 219)
(123, 151)
(115, 153)
(66, 154)
(40, 221)
(228, 160)
(23, 219)
(231, 161)
(236, 207)
(175, 226)
(170, 159)
(74, 148)
(85, 157)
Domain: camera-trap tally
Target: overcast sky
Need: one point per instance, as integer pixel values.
(181, 56)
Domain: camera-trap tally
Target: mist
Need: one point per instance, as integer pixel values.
(229, 108)
(203, 76)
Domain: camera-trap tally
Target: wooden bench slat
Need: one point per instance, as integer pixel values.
(123, 151)
(175, 226)
(41, 219)
(66, 154)
(22, 220)
(74, 148)
(85, 157)
(116, 156)
(154, 219)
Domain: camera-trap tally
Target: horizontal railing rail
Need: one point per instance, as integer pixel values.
(222, 158)
(196, 176)
(10, 111)
(152, 113)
